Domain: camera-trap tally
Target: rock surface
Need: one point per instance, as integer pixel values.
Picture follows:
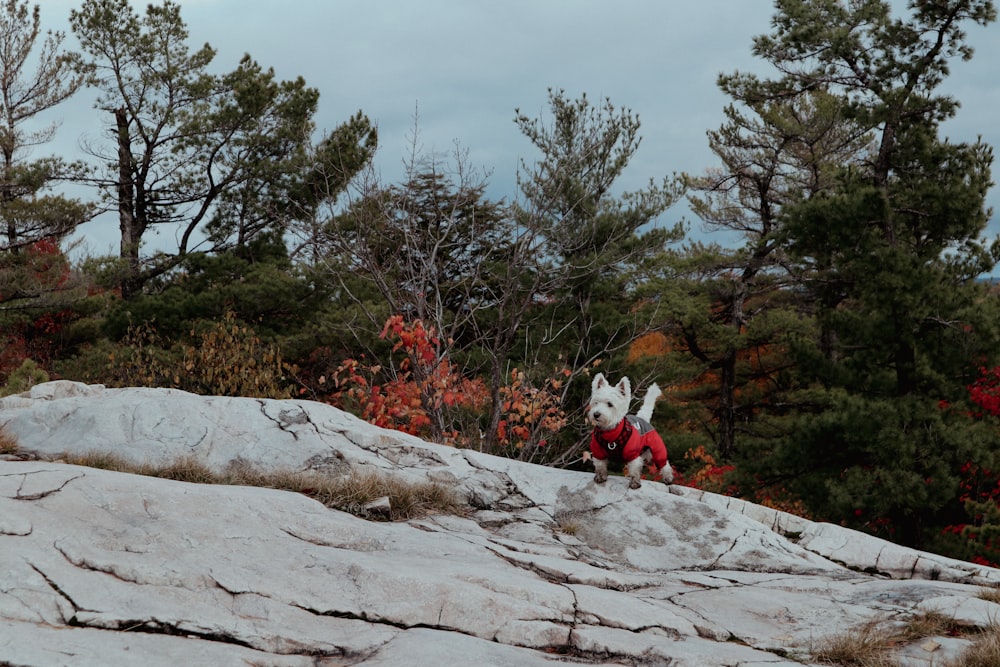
(102, 568)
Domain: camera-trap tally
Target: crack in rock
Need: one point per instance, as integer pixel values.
(551, 575)
(155, 627)
(15, 526)
(565, 581)
(362, 545)
(287, 417)
(704, 631)
(86, 564)
(20, 494)
(378, 620)
(732, 547)
(511, 497)
(63, 594)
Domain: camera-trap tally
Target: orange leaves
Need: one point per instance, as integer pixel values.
(780, 499)
(529, 413)
(710, 476)
(417, 392)
(414, 339)
(423, 393)
(653, 344)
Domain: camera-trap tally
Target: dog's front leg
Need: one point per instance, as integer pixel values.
(635, 467)
(600, 471)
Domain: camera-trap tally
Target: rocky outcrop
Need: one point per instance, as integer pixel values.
(104, 568)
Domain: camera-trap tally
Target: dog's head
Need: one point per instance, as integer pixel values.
(608, 404)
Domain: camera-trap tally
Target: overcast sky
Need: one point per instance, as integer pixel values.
(465, 65)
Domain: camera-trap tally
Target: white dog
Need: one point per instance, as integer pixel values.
(625, 439)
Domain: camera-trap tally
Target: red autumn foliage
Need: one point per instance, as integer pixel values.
(424, 387)
(403, 396)
(985, 391)
(709, 476)
(40, 269)
(979, 489)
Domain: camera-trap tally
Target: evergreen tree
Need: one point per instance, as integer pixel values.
(595, 237)
(29, 214)
(37, 289)
(208, 154)
(889, 250)
(774, 153)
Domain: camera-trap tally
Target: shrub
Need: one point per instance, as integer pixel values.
(225, 358)
(26, 376)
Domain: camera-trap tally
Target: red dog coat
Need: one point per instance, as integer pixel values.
(626, 441)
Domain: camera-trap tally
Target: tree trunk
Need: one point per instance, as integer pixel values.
(727, 405)
(130, 236)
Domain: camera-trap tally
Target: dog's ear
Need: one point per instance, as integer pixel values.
(599, 381)
(624, 387)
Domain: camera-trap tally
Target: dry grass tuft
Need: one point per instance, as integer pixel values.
(350, 493)
(353, 492)
(875, 643)
(990, 595)
(569, 527)
(927, 624)
(187, 469)
(985, 651)
(569, 523)
(8, 445)
(106, 461)
(867, 646)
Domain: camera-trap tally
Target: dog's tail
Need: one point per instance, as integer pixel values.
(648, 401)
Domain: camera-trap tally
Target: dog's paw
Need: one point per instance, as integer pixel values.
(667, 474)
(634, 484)
(600, 479)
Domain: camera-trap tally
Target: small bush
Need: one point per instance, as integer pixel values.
(23, 378)
(225, 358)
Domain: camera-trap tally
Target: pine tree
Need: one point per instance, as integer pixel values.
(29, 214)
(596, 237)
(774, 153)
(889, 251)
(217, 156)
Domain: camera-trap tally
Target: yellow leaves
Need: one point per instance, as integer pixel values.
(228, 359)
(529, 413)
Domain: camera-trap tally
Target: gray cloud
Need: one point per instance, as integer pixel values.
(467, 64)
